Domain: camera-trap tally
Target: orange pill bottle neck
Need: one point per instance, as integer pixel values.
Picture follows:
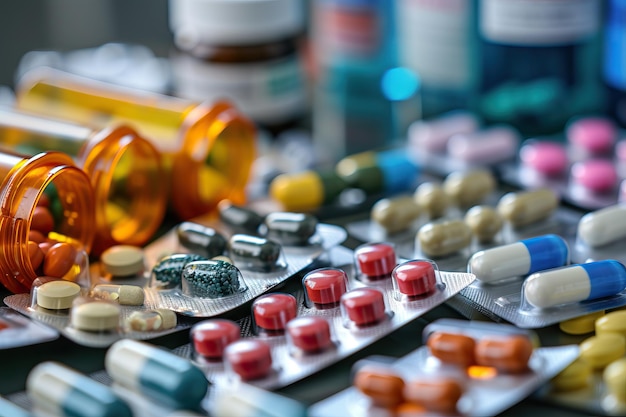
(208, 148)
(126, 172)
(23, 181)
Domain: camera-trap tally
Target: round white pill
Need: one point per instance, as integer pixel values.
(95, 316)
(123, 260)
(57, 295)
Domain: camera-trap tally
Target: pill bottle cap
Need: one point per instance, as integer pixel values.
(232, 22)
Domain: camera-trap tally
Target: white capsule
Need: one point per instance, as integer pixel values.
(519, 258)
(603, 226)
(495, 144)
(60, 391)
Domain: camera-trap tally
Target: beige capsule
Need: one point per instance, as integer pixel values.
(527, 207)
(431, 198)
(443, 238)
(485, 222)
(395, 214)
(467, 189)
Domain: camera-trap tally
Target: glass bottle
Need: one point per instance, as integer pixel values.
(208, 148)
(249, 52)
(125, 169)
(537, 62)
(24, 181)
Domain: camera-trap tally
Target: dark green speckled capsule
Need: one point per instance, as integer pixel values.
(290, 229)
(211, 279)
(168, 271)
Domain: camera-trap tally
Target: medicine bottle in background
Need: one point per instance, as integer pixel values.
(434, 40)
(363, 99)
(615, 59)
(538, 62)
(207, 147)
(25, 179)
(125, 170)
(247, 52)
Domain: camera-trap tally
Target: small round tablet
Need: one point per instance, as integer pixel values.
(95, 316)
(57, 295)
(363, 306)
(249, 358)
(310, 334)
(123, 260)
(210, 337)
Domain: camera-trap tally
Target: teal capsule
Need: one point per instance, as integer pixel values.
(211, 279)
(61, 391)
(201, 240)
(156, 373)
(254, 253)
(290, 229)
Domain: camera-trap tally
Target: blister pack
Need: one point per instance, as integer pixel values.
(585, 165)
(340, 310)
(594, 383)
(466, 369)
(17, 330)
(135, 293)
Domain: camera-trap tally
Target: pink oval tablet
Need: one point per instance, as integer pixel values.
(495, 144)
(595, 175)
(548, 158)
(249, 358)
(310, 334)
(594, 134)
(375, 260)
(273, 311)
(325, 286)
(364, 306)
(415, 277)
(210, 337)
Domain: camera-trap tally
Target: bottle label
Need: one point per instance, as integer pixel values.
(433, 40)
(615, 45)
(268, 92)
(347, 29)
(538, 22)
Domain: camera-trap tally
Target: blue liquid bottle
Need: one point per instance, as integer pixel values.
(615, 59)
(362, 99)
(537, 62)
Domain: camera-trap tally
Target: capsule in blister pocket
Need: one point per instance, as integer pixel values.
(255, 253)
(290, 229)
(200, 239)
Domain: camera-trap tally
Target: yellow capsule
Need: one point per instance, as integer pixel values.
(603, 349)
(467, 189)
(432, 199)
(484, 221)
(395, 214)
(443, 238)
(527, 207)
(613, 322)
(298, 192)
(614, 377)
(574, 377)
(581, 325)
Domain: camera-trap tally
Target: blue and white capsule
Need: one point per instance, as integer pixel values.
(574, 283)
(55, 389)
(156, 373)
(519, 258)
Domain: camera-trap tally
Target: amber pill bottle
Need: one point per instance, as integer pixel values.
(250, 52)
(125, 170)
(207, 147)
(24, 180)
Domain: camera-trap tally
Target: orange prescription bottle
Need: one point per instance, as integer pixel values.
(24, 180)
(208, 148)
(125, 169)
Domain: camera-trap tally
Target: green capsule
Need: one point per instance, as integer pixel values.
(168, 271)
(211, 279)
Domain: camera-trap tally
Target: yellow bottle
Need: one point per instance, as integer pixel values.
(23, 182)
(125, 170)
(208, 148)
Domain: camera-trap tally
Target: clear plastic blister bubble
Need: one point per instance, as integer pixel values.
(324, 287)
(129, 295)
(364, 307)
(167, 272)
(53, 295)
(421, 382)
(415, 279)
(374, 261)
(271, 313)
(256, 254)
(97, 316)
(212, 279)
(309, 335)
(291, 229)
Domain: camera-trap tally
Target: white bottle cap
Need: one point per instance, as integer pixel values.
(235, 22)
